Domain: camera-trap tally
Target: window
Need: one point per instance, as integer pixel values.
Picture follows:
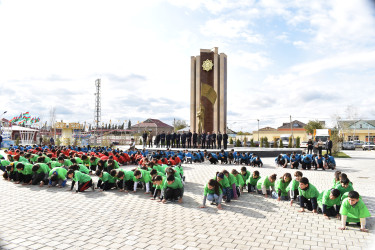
(372, 138)
(350, 138)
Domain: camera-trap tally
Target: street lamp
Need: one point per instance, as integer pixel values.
(1, 121)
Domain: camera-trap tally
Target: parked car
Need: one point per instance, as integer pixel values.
(358, 143)
(303, 144)
(348, 145)
(368, 146)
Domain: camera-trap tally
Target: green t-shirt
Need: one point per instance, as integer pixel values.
(231, 179)
(239, 180)
(264, 181)
(78, 160)
(335, 183)
(27, 170)
(55, 164)
(67, 163)
(160, 187)
(61, 172)
(293, 185)
(176, 184)
(43, 168)
(253, 181)
(107, 177)
(344, 190)
(323, 199)
(246, 176)
(5, 163)
(34, 158)
(354, 213)
(212, 191)
(224, 182)
(23, 159)
(281, 185)
(145, 176)
(83, 169)
(311, 192)
(81, 177)
(95, 162)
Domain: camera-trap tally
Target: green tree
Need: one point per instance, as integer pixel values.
(261, 142)
(230, 141)
(266, 142)
(281, 145)
(290, 144)
(312, 125)
(58, 141)
(238, 143)
(298, 142)
(252, 143)
(129, 124)
(179, 124)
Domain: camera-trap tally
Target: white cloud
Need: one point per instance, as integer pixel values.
(252, 61)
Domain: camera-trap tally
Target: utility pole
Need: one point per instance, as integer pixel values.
(98, 107)
(258, 130)
(291, 128)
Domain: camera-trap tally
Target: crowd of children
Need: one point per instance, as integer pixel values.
(340, 200)
(161, 176)
(307, 161)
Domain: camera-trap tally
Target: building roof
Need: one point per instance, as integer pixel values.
(267, 129)
(295, 124)
(349, 123)
(149, 123)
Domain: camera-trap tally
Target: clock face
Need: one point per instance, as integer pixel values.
(207, 65)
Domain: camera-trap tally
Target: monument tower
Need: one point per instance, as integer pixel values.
(208, 94)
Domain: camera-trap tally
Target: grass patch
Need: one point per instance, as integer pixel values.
(341, 155)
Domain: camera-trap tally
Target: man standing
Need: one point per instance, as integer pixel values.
(174, 137)
(150, 140)
(178, 139)
(208, 140)
(213, 140)
(144, 137)
(188, 138)
(219, 139)
(168, 139)
(157, 140)
(162, 139)
(203, 139)
(195, 139)
(183, 140)
(225, 139)
(1, 140)
(329, 146)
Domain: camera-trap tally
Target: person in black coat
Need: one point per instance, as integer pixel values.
(195, 139)
(329, 145)
(203, 139)
(157, 140)
(183, 140)
(178, 139)
(174, 137)
(219, 139)
(188, 139)
(225, 140)
(168, 139)
(213, 140)
(208, 140)
(144, 137)
(162, 139)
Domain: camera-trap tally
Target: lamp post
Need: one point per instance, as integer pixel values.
(1, 121)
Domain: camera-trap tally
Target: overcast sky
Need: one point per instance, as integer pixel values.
(308, 59)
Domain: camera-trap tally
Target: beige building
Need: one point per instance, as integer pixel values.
(297, 130)
(361, 130)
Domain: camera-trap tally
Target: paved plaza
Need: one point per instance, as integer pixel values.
(53, 218)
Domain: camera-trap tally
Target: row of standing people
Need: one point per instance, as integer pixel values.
(209, 140)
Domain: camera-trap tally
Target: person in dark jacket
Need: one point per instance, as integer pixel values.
(213, 140)
(329, 145)
(183, 140)
(174, 137)
(219, 139)
(162, 139)
(195, 139)
(168, 139)
(225, 139)
(188, 139)
(203, 139)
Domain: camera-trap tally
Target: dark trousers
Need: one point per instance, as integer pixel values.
(310, 204)
(319, 165)
(25, 178)
(194, 144)
(309, 150)
(203, 144)
(219, 144)
(83, 186)
(168, 144)
(320, 149)
(157, 193)
(226, 192)
(225, 144)
(93, 168)
(295, 164)
(332, 211)
(162, 143)
(178, 144)
(105, 185)
(189, 142)
(172, 194)
(37, 178)
(183, 144)
(306, 165)
(128, 185)
(11, 175)
(251, 188)
(208, 144)
(150, 144)
(213, 160)
(329, 151)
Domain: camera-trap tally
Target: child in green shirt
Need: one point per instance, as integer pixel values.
(252, 181)
(336, 179)
(239, 182)
(329, 203)
(213, 192)
(353, 209)
(293, 187)
(106, 181)
(173, 189)
(158, 182)
(57, 177)
(125, 179)
(143, 176)
(25, 173)
(40, 174)
(223, 180)
(266, 185)
(232, 184)
(344, 186)
(281, 188)
(83, 181)
(308, 195)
